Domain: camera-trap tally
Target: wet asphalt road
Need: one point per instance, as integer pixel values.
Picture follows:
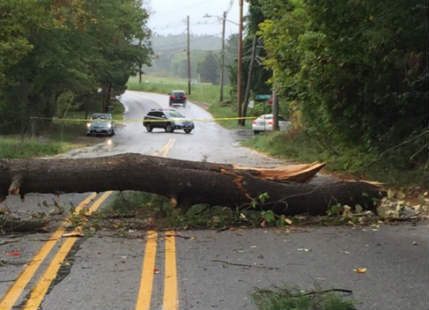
(215, 270)
(208, 141)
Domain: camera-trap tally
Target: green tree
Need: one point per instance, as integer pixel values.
(55, 53)
(356, 68)
(209, 69)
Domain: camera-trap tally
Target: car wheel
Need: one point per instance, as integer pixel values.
(255, 132)
(149, 128)
(169, 128)
(188, 130)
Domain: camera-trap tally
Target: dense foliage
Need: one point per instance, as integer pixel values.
(54, 54)
(356, 69)
(208, 69)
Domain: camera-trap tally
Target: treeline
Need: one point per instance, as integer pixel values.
(61, 55)
(353, 73)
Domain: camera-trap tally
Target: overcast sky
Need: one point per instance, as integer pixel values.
(169, 16)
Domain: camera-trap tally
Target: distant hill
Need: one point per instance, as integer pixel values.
(170, 53)
(168, 43)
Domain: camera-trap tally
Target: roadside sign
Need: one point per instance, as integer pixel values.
(251, 104)
(262, 97)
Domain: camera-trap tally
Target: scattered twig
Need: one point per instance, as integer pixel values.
(222, 229)
(73, 235)
(178, 236)
(7, 242)
(6, 262)
(340, 290)
(244, 265)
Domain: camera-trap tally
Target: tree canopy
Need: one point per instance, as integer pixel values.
(357, 69)
(50, 48)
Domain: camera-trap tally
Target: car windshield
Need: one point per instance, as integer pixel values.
(174, 114)
(100, 116)
(178, 93)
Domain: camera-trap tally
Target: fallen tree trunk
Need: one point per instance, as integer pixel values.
(186, 181)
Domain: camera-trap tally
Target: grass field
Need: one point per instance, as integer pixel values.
(205, 93)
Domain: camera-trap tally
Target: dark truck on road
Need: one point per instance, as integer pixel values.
(168, 119)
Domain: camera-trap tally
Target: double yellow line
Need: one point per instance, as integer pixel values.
(170, 300)
(38, 293)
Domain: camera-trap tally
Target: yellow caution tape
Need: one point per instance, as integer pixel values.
(139, 120)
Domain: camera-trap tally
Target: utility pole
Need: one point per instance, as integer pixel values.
(239, 64)
(140, 65)
(189, 55)
(222, 69)
(275, 105)
(249, 79)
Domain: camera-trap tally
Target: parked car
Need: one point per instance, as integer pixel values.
(177, 97)
(100, 124)
(168, 119)
(265, 123)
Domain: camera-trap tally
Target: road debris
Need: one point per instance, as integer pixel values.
(303, 250)
(360, 270)
(244, 265)
(3, 242)
(73, 234)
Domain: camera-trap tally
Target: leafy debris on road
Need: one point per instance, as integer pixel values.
(295, 298)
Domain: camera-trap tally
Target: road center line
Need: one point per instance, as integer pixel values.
(39, 291)
(27, 274)
(148, 266)
(167, 147)
(148, 270)
(170, 301)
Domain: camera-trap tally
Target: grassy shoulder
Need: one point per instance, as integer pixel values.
(352, 161)
(203, 93)
(12, 147)
(51, 137)
(48, 139)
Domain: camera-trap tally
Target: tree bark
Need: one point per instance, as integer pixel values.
(186, 181)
